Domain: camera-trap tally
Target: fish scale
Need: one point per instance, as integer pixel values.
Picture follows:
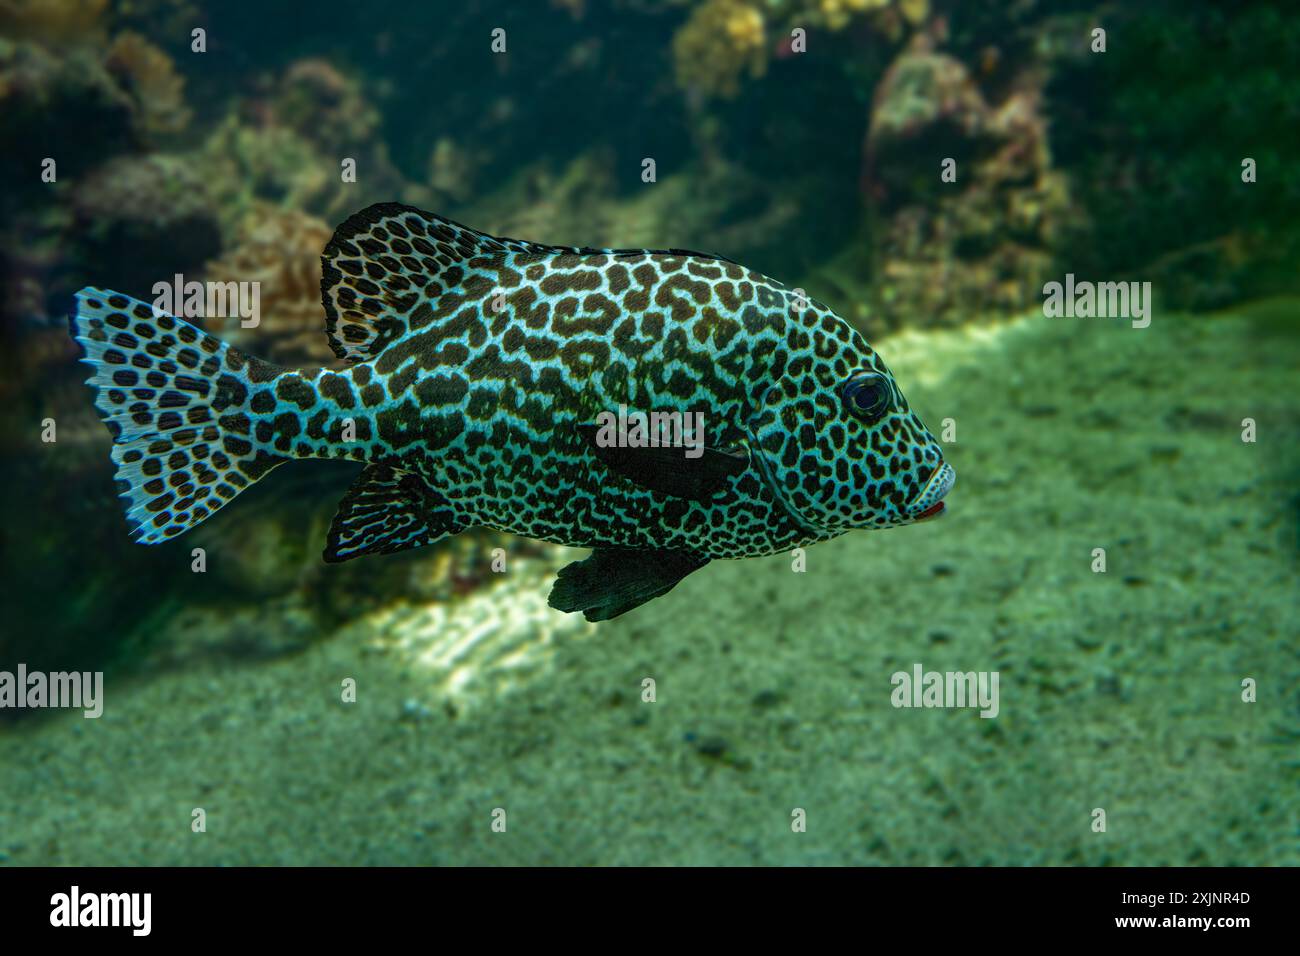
(479, 369)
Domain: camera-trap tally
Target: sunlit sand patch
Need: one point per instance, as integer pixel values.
(503, 635)
(485, 644)
(928, 356)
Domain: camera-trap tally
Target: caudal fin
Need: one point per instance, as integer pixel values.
(175, 400)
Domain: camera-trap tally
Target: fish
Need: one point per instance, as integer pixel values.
(499, 383)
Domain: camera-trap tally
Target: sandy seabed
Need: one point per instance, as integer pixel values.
(1119, 690)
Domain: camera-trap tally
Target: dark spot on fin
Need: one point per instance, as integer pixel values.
(667, 469)
(388, 510)
(612, 581)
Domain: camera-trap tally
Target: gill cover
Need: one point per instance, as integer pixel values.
(787, 450)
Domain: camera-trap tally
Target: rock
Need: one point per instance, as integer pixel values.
(946, 252)
(141, 219)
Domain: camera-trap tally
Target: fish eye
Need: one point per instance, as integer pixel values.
(867, 397)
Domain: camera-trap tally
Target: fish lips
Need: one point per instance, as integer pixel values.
(929, 503)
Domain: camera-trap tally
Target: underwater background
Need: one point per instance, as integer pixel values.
(804, 139)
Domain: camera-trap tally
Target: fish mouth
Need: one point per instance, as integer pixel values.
(929, 503)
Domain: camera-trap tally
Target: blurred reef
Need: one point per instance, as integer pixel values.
(811, 159)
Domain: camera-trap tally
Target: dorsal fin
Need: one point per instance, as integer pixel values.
(388, 510)
(387, 259)
(381, 263)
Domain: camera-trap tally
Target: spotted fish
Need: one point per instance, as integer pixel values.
(478, 369)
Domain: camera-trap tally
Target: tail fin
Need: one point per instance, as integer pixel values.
(175, 400)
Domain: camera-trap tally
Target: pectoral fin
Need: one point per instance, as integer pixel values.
(612, 581)
(668, 469)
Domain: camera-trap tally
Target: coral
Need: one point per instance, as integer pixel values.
(837, 13)
(243, 164)
(280, 249)
(322, 104)
(720, 42)
(266, 567)
(149, 76)
(57, 24)
(83, 109)
(887, 17)
(285, 145)
(921, 93)
(155, 190)
(914, 11)
(292, 135)
(949, 251)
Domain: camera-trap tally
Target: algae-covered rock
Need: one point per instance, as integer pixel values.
(721, 42)
(320, 102)
(243, 163)
(280, 249)
(150, 77)
(965, 206)
(66, 102)
(140, 219)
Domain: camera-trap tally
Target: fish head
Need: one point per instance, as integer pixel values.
(839, 445)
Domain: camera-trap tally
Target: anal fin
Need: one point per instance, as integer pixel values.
(388, 510)
(612, 581)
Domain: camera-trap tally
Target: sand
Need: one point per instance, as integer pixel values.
(1119, 690)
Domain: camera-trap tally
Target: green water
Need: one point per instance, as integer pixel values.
(1121, 548)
